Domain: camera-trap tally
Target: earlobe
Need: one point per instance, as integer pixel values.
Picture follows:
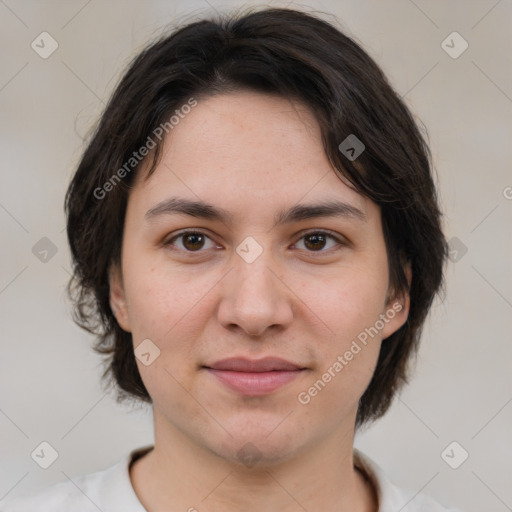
(117, 297)
(397, 308)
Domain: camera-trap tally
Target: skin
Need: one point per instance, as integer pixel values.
(302, 300)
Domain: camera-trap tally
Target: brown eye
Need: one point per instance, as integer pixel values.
(191, 241)
(316, 241)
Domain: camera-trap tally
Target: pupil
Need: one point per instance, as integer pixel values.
(317, 237)
(196, 237)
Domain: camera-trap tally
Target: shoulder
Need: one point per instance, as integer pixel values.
(391, 497)
(108, 489)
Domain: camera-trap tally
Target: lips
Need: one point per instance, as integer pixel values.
(254, 377)
(267, 364)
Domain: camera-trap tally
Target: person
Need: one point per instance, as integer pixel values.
(256, 244)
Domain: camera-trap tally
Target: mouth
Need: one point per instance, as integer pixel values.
(254, 377)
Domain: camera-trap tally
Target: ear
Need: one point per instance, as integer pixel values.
(397, 308)
(118, 302)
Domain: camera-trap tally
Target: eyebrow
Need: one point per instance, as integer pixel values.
(200, 209)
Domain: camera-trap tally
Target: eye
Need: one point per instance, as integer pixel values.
(315, 241)
(192, 241)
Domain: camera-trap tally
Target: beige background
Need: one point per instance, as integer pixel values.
(49, 376)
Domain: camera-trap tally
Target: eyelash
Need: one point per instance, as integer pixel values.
(329, 234)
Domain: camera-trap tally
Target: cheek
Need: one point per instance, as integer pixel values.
(350, 305)
(348, 301)
(163, 308)
(170, 307)
(347, 356)
(162, 299)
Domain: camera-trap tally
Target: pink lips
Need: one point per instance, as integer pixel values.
(254, 377)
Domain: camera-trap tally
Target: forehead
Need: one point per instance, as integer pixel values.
(246, 149)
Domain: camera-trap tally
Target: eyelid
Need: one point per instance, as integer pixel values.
(337, 236)
(340, 239)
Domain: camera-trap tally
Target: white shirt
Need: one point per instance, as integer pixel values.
(110, 490)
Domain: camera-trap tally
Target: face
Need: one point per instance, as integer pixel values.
(253, 282)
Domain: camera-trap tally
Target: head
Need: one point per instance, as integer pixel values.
(248, 116)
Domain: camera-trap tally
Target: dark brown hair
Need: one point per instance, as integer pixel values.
(297, 56)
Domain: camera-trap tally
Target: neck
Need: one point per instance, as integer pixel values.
(191, 477)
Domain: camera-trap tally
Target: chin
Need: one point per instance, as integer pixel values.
(256, 447)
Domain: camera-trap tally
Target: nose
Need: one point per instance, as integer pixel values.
(255, 298)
